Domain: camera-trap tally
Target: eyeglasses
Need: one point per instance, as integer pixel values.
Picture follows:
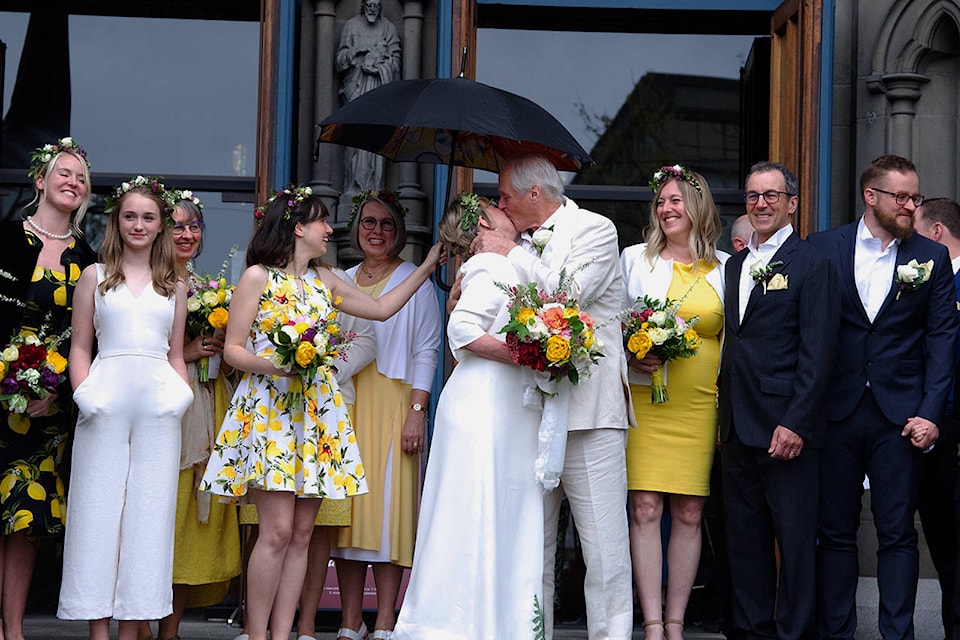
(770, 197)
(195, 227)
(902, 198)
(370, 223)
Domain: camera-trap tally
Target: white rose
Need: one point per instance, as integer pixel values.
(308, 191)
(320, 341)
(657, 317)
(46, 158)
(290, 332)
(31, 339)
(10, 354)
(125, 187)
(277, 360)
(67, 142)
(542, 236)
(18, 403)
(658, 335)
(32, 376)
(537, 328)
(193, 304)
(209, 298)
(48, 147)
(907, 273)
(187, 195)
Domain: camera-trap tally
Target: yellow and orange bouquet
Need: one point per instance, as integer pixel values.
(208, 301)
(305, 343)
(655, 327)
(31, 367)
(550, 332)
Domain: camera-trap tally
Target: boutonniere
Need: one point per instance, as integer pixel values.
(540, 238)
(763, 274)
(911, 275)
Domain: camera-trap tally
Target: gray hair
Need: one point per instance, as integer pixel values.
(789, 179)
(532, 169)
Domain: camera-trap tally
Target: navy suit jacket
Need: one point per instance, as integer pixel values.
(776, 363)
(907, 353)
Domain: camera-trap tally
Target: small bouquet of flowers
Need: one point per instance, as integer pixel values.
(651, 326)
(31, 367)
(553, 336)
(549, 332)
(207, 304)
(304, 344)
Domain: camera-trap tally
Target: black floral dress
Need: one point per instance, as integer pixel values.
(32, 493)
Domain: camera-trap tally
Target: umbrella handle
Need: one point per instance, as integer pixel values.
(441, 281)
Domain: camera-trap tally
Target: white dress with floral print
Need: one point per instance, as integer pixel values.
(275, 438)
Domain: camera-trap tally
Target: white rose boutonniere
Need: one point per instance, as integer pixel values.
(540, 238)
(911, 275)
(762, 274)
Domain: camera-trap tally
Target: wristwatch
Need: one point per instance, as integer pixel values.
(416, 406)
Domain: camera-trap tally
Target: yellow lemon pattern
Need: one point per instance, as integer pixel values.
(277, 436)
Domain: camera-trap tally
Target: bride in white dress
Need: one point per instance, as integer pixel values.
(478, 560)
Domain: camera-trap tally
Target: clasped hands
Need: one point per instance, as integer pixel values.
(922, 432)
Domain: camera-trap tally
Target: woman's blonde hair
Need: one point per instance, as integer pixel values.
(452, 233)
(163, 262)
(704, 221)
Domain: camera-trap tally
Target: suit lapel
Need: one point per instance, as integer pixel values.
(733, 288)
(784, 254)
(846, 248)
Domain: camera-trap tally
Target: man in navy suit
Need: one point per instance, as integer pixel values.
(781, 311)
(939, 220)
(886, 397)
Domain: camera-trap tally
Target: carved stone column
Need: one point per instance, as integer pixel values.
(903, 91)
(419, 218)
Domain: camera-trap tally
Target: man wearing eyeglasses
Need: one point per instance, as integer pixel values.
(781, 310)
(886, 397)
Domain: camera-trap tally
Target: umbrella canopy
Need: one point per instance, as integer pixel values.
(451, 121)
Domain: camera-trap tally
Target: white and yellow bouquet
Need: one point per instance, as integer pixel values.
(208, 301)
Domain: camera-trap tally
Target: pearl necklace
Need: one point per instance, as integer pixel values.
(42, 231)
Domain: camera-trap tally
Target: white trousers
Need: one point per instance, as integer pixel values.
(595, 482)
(121, 504)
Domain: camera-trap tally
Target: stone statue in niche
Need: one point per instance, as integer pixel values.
(368, 57)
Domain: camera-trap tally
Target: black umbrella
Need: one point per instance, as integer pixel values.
(452, 121)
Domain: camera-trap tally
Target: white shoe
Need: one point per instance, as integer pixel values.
(350, 634)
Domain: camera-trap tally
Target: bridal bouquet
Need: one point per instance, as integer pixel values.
(553, 336)
(303, 344)
(207, 302)
(31, 367)
(549, 332)
(651, 326)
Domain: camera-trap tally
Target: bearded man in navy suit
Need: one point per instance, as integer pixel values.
(886, 398)
(781, 312)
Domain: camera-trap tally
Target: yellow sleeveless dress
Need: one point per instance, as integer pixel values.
(672, 449)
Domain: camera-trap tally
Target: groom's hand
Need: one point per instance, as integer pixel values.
(921, 431)
(491, 241)
(785, 444)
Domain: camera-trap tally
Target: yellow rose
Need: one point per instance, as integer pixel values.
(525, 315)
(57, 361)
(3, 369)
(639, 344)
(306, 352)
(333, 329)
(690, 335)
(218, 318)
(221, 296)
(587, 338)
(571, 312)
(558, 348)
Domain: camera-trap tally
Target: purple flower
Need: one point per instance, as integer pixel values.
(309, 335)
(9, 386)
(49, 379)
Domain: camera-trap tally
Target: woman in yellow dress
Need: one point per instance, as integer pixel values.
(671, 452)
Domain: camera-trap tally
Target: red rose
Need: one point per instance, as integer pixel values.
(31, 356)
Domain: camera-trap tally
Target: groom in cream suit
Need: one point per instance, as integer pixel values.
(594, 475)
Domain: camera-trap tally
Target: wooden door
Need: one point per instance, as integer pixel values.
(795, 49)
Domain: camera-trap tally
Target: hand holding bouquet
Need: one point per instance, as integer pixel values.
(304, 344)
(549, 332)
(655, 327)
(31, 368)
(207, 309)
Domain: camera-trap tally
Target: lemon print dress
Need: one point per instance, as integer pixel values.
(32, 493)
(279, 435)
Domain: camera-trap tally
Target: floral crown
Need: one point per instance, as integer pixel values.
(152, 183)
(294, 194)
(469, 212)
(366, 195)
(678, 172)
(40, 156)
(179, 195)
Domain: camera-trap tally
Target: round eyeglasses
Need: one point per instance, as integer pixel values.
(195, 227)
(370, 223)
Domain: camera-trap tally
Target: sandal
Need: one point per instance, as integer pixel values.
(651, 623)
(350, 634)
(381, 634)
(677, 622)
